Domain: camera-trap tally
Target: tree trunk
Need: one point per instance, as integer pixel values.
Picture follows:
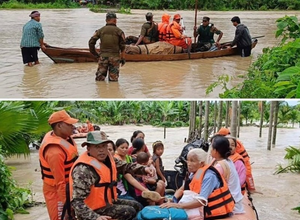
(206, 121)
(276, 110)
(233, 127)
(262, 109)
(239, 119)
(200, 119)
(192, 126)
(215, 116)
(272, 107)
(227, 114)
(220, 115)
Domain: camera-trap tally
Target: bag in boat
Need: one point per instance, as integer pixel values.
(154, 48)
(157, 213)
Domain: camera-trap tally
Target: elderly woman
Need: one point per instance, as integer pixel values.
(207, 185)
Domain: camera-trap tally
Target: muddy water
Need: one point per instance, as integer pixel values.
(73, 28)
(280, 192)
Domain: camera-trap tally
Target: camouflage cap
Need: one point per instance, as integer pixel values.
(95, 137)
(110, 15)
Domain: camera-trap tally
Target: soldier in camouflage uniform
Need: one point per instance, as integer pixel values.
(85, 178)
(112, 49)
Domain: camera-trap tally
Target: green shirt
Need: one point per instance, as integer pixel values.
(32, 34)
(112, 41)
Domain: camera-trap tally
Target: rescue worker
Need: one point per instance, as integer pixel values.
(162, 27)
(57, 154)
(93, 183)
(90, 126)
(242, 38)
(240, 149)
(208, 183)
(112, 49)
(149, 31)
(175, 34)
(205, 34)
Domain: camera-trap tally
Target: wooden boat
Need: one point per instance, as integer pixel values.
(80, 55)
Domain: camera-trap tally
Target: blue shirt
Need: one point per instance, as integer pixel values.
(209, 184)
(32, 34)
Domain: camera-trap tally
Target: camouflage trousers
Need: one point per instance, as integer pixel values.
(108, 64)
(122, 209)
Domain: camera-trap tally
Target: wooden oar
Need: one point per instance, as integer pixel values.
(196, 8)
(251, 38)
(186, 40)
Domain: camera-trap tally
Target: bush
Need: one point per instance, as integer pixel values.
(13, 198)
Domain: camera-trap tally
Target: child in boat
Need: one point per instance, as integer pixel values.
(138, 146)
(151, 183)
(158, 150)
(220, 151)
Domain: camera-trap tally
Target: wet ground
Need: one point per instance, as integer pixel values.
(172, 79)
(280, 192)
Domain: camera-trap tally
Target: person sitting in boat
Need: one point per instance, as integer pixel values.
(243, 152)
(205, 34)
(152, 183)
(149, 31)
(162, 27)
(220, 151)
(90, 126)
(210, 188)
(175, 34)
(239, 163)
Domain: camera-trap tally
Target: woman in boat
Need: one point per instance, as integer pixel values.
(137, 134)
(210, 187)
(238, 163)
(126, 182)
(220, 151)
(243, 152)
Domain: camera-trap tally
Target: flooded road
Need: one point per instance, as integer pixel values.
(73, 28)
(280, 192)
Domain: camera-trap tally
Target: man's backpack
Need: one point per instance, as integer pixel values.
(157, 213)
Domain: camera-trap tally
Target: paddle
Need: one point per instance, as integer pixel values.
(196, 8)
(186, 40)
(223, 44)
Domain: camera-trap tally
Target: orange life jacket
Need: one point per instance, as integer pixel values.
(71, 156)
(103, 192)
(162, 31)
(220, 202)
(242, 151)
(234, 157)
(170, 34)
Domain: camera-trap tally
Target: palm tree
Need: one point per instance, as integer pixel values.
(20, 121)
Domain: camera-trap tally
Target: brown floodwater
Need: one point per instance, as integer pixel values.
(172, 79)
(280, 192)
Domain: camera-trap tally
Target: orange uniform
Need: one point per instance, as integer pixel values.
(90, 126)
(57, 156)
(175, 35)
(162, 27)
